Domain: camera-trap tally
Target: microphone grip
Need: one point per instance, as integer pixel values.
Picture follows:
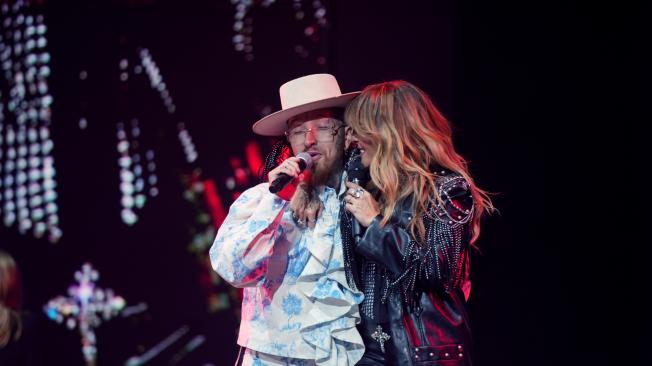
(283, 179)
(280, 182)
(356, 228)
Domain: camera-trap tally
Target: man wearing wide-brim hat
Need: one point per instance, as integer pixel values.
(285, 249)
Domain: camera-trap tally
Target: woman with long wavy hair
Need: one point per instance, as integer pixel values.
(421, 210)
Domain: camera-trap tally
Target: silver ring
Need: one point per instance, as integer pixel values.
(358, 193)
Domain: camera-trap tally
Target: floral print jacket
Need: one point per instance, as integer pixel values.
(297, 302)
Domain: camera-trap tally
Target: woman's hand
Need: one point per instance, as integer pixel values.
(360, 203)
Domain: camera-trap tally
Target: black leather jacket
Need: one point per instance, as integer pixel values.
(424, 305)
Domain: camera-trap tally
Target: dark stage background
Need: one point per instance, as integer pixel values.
(486, 65)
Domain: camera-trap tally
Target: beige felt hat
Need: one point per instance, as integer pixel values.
(302, 95)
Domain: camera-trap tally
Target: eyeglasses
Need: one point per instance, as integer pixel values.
(321, 133)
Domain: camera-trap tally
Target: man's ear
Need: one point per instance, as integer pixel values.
(348, 137)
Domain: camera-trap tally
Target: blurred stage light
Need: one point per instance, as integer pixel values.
(86, 307)
(50, 195)
(126, 175)
(187, 143)
(243, 25)
(139, 185)
(128, 216)
(140, 200)
(25, 63)
(131, 171)
(127, 201)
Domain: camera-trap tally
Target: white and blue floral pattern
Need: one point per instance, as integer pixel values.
(296, 301)
(254, 358)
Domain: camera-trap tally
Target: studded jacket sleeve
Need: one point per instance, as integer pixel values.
(439, 259)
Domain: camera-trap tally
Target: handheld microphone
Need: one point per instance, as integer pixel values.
(305, 161)
(357, 174)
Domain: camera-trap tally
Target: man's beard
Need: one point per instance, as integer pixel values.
(325, 173)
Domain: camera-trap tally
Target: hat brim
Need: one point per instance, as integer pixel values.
(275, 124)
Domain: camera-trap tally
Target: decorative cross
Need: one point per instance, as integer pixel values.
(381, 337)
(84, 307)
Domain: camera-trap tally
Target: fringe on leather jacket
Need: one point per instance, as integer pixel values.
(416, 293)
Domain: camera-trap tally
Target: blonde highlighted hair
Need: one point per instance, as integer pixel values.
(409, 135)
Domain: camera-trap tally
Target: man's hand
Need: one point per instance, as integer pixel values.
(306, 206)
(290, 167)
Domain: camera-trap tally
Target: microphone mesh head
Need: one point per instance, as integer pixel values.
(305, 157)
